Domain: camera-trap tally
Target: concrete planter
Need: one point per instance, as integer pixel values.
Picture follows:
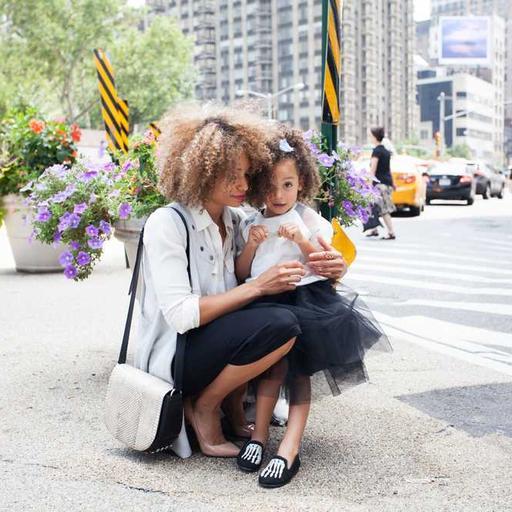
(34, 257)
(128, 231)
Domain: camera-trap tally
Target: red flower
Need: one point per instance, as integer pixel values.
(74, 154)
(36, 126)
(76, 133)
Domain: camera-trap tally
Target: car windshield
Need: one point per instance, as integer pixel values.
(449, 168)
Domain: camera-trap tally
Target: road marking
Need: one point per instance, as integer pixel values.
(432, 264)
(358, 265)
(426, 285)
(436, 254)
(447, 338)
(478, 307)
(507, 245)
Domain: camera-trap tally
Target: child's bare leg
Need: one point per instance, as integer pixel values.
(300, 402)
(266, 398)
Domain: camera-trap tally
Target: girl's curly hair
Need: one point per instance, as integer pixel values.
(309, 178)
(200, 145)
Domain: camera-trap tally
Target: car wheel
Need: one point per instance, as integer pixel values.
(470, 200)
(429, 201)
(414, 211)
(487, 191)
(500, 193)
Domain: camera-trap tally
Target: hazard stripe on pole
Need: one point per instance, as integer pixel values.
(156, 131)
(332, 72)
(124, 120)
(109, 101)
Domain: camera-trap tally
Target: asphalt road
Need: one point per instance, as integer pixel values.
(432, 431)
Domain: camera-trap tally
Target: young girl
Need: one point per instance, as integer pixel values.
(336, 326)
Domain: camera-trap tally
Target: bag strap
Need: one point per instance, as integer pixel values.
(181, 338)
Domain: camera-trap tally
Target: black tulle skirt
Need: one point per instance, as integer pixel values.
(338, 331)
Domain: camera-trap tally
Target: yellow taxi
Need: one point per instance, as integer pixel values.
(409, 177)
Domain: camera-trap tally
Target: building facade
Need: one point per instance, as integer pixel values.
(469, 107)
(500, 75)
(269, 45)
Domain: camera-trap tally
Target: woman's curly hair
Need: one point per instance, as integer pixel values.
(309, 178)
(200, 145)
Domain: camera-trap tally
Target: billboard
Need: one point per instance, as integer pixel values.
(465, 40)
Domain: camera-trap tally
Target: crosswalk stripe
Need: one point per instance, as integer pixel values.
(426, 285)
(418, 330)
(431, 264)
(478, 307)
(436, 254)
(457, 276)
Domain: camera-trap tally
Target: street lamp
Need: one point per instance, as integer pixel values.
(269, 97)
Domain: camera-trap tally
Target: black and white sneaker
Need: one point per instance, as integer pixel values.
(276, 473)
(250, 457)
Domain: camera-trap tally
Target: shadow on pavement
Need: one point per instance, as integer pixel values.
(478, 410)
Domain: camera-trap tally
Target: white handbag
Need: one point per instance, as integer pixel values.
(142, 411)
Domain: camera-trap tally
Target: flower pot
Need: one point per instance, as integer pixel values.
(29, 256)
(128, 231)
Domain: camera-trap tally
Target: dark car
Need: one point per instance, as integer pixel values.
(489, 181)
(451, 180)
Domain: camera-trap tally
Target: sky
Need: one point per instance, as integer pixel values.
(421, 8)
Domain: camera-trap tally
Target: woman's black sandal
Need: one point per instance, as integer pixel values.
(276, 472)
(250, 457)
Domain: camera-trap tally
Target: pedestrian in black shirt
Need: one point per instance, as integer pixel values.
(380, 168)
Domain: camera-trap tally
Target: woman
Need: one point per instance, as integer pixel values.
(381, 170)
(205, 158)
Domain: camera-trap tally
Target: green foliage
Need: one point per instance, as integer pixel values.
(411, 147)
(47, 60)
(30, 144)
(460, 151)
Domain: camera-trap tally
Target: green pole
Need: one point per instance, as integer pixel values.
(329, 131)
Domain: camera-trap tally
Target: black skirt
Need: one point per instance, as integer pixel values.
(338, 330)
(238, 338)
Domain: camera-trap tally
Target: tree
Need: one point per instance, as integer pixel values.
(460, 151)
(153, 69)
(47, 60)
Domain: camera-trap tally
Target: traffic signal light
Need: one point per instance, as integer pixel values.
(437, 138)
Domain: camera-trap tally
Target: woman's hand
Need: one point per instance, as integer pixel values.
(279, 278)
(257, 235)
(291, 232)
(327, 263)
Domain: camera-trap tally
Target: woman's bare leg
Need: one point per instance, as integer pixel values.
(297, 418)
(207, 406)
(389, 223)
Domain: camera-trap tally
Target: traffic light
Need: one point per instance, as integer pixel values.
(437, 138)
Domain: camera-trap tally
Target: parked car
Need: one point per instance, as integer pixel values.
(489, 181)
(410, 186)
(451, 180)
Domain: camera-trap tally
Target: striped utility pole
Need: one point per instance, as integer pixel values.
(331, 69)
(113, 110)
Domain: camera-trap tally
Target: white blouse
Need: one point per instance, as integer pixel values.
(276, 249)
(169, 303)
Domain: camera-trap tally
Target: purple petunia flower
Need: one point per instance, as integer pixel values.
(95, 243)
(66, 258)
(127, 166)
(92, 231)
(349, 208)
(105, 227)
(80, 208)
(64, 222)
(70, 272)
(114, 193)
(70, 190)
(58, 170)
(124, 210)
(313, 148)
(43, 214)
(74, 245)
(57, 237)
(325, 160)
(74, 220)
(363, 214)
(83, 258)
(88, 175)
(309, 134)
(60, 197)
(109, 167)
(93, 198)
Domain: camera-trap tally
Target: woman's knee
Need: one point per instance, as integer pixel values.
(283, 321)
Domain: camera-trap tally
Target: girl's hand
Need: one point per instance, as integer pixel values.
(257, 235)
(291, 232)
(327, 263)
(279, 278)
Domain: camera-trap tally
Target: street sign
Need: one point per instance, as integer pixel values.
(110, 107)
(124, 120)
(156, 131)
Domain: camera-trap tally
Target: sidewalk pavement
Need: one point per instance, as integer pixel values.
(405, 442)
